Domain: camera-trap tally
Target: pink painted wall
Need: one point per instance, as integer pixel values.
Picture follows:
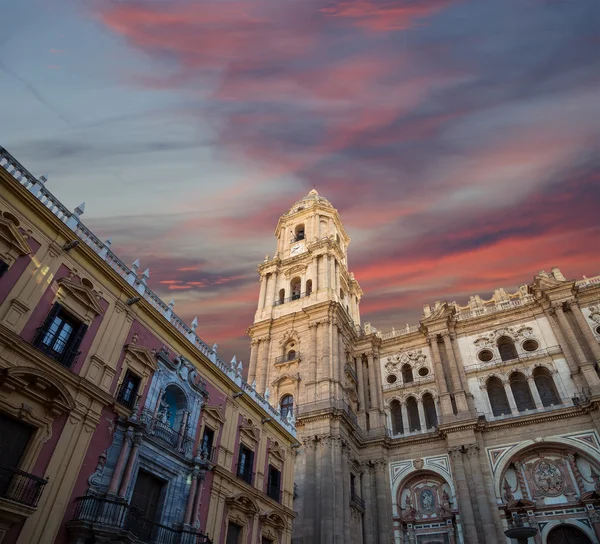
(48, 448)
(101, 441)
(90, 334)
(11, 276)
(146, 339)
(39, 313)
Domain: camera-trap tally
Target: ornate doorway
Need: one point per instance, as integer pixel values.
(567, 534)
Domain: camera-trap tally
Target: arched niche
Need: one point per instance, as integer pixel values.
(424, 497)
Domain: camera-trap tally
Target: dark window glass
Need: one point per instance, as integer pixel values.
(407, 374)
(546, 388)
(274, 483)
(206, 446)
(429, 409)
(414, 422)
(60, 336)
(287, 405)
(14, 437)
(127, 394)
(3, 268)
(521, 392)
(397, 422)
(497, 396)
(507, 349)
(245, 464)
(234, 534)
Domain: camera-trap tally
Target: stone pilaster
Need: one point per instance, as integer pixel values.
(254, 348)
(370, 521)
(440, 379)
(585, 329)
(485, 511)
(464, 500)
(384, 507)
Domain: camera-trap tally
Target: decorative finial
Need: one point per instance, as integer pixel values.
(194, 324)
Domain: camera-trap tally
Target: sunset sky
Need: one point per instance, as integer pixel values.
(458, 139)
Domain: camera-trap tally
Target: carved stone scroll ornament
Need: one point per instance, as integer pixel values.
(548, 477)
(415, 358)
(490, 338)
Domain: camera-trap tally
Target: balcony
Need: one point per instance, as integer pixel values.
(284, 359)
(356, 501)
(102, 517)
(350, 370)
(292, 298)
(67, 358)
(20, 487)
(125, 398)
(161, 432)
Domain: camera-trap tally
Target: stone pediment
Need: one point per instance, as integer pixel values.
(82, 293)
(273, 519)
(216, 413)
(287, 376)
(143, 355)
(242, 502)
(10, 234)
(440, 311)
(277, 451)
(249, 430)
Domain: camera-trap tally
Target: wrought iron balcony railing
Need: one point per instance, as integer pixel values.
(356, 500)
(67, 358)
(21, 487)
(125, 397)
(117, 514)
(297, 296)
(287, 358)
(161, 431)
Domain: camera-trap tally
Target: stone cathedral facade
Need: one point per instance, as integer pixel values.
(435, 433)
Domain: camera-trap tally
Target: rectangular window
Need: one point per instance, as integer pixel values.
(127, 394)
(206, 446)
(352, 484)
(274, 484)
(245, 464)
(60, 336)
(3, 268)
(234, 534)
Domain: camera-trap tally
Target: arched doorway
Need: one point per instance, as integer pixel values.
(567, 534)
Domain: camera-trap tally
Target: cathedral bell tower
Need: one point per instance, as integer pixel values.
(303, 360)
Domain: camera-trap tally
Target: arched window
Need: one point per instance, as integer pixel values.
(308, 287)
(497, 396)
(430, 413)
(291, 355)
(286, 405)
(289, 351)
(299, 233)
(521, 392)
(414, 423)
(281, 296)
(295, 286)
(173, 404)
(545, 386)
(396, 412)
(407, 373)
(507, 349)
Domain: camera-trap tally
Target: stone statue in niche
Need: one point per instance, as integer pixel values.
(548, 478)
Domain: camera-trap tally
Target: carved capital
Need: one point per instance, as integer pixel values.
(456, 452)
(472, 450)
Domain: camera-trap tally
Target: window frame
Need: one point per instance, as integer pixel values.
(246, 473)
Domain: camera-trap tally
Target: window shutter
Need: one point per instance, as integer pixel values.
(73, 350)
(54, 311)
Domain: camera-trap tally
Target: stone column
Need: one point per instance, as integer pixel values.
(370, 522)
(254, 347)
(585, 329)
(263, 361)
(346, 494)
(464, 500)
(379, 383)
(440, 380)
(405, 422)
(374, 408)
(560, 337)
(312, 358)
(587, 369)
(334, 363)
(361, 392)
(187, 520)
(137, 440)
(198, 499)
(116, 477)
(511, 398)
(384, 507)
(326, 490)
(310, 492)
(342, 359)
(421, 410)
(261, 296)
(535, 393)
(485, 510)
(459, 393)
(323, 364)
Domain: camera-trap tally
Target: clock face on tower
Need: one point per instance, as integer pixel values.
(296, 249)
